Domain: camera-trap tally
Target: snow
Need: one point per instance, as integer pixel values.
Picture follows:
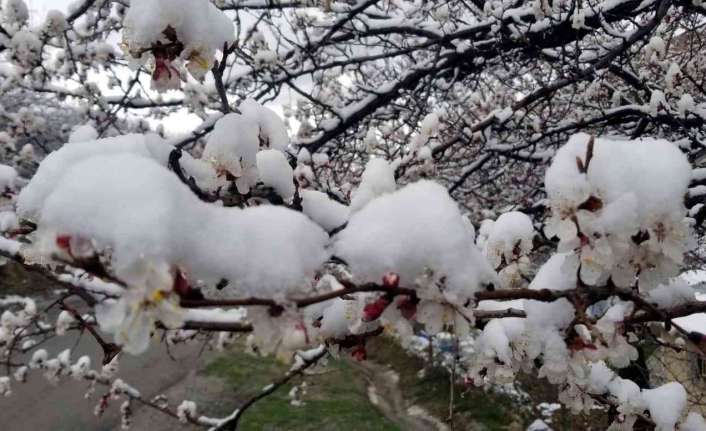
(557, 273)
(8, 221)
(264, 250)
(323, 210)
(503, 114)
(83, 133)
(274, 171)
(186, 410)
(311, 354)
(696, 191)
(233, 144)
(665, 404)
(671, 294)
(277, 249)
(544, 316)
(671, 78)
(655, 171)
(8, 178)
(538, 425)
(694, 422)
(512, 232)
(338, 318)
(546, 321)
(686, 104)
(25, 47)
(430, 124)
(694, 277)
(59, 162)
(627, 393)
(320, 159)
(265, 57)
(410, 231)
(378, 179)
(304, 156)
(5, 388)
(484, 230)
(198, 24)
(236, 138)
(87, 202)
(599, 378)
(694, 322)
(655, 49)
(9, 246)
(629, 188)
(55, 23)
(218, 315)
(698, 174)
(63, 322)
(15, 11)
(494, 341)
(117, 195)
(272, 128)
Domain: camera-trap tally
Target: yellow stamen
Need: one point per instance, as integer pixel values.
(199, 61)
(157, 296)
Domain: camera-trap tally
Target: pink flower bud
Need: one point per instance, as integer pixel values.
(63, 241)
(373, 310)
(391, 280)
(407, 307)
(359, 353)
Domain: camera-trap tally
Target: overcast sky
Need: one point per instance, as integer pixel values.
(38, 8)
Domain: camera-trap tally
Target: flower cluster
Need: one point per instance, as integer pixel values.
(170, 33)
(618, 203)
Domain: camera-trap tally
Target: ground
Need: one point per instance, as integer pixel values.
(335, 399)
(387, 392)
(391, 391)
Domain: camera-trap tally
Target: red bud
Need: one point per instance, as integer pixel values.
(63, 241)
(181, 284)
(373, 310)
(407, 307)
(359, 353)
(577, 344)
(391, 280)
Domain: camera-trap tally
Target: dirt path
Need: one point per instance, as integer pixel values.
(38, 405)
(209, 393)
(384, 392)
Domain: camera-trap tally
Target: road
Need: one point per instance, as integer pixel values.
(38, 405)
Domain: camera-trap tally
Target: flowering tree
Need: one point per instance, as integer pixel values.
(569, 126)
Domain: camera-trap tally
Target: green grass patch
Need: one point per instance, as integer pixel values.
(473, 408)
(336, 397)
(16, 280)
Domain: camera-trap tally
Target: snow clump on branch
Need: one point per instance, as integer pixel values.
(507, 243)
(235, 141)
(173, 31)
(59, 162)
(620, 204)
(418, 233)
(156, 229)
